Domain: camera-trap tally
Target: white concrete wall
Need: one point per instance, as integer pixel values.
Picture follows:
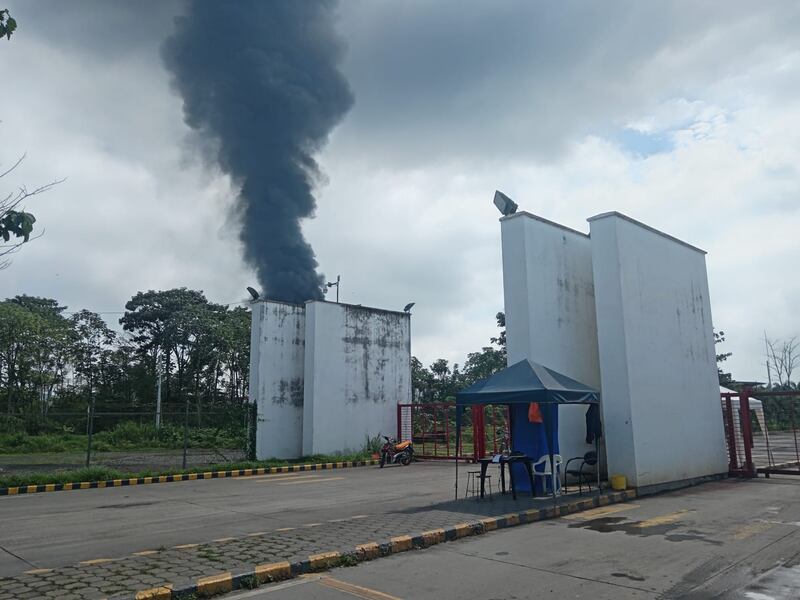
(549, 306)
(660, 390)
(277, 348)
(357, 369)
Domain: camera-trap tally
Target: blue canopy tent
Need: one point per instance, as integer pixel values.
(519, 385)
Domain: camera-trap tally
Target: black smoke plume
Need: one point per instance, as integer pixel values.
(261, 79)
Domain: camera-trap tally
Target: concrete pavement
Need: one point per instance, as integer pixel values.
(60, 528)
(729, 540)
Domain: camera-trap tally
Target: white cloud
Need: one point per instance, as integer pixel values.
(445, 113)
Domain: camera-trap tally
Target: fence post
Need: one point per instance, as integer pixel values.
(399, 423)
(185, 432)
(727, 417)
(89, 427)
(747, 432)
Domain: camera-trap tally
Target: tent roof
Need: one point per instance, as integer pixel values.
(524, 382)
(753, 402)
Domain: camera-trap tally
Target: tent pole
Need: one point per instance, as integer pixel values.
(597, 454)
(458, 443)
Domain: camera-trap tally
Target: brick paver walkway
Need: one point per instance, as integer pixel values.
(126, 575)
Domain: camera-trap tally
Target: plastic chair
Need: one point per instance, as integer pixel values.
(547, 471)
(588, 459)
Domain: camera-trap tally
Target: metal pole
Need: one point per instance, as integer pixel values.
(89, 425)
(158, 401)
(338, 279)
(185, 431)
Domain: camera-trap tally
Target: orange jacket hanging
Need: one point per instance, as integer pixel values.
(534, 413)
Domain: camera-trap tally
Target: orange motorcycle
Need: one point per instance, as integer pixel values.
(397, 452)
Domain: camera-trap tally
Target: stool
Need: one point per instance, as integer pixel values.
(473, 484)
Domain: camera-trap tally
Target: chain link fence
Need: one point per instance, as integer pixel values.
(128, 441)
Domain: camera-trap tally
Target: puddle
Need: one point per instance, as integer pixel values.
(780, 583)
(665, 530)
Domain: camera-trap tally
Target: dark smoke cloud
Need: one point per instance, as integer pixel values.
(261, 79)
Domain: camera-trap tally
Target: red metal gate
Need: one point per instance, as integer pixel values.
(431, 426)
(774, 446)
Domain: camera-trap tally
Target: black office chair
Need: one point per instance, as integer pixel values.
(583, 476)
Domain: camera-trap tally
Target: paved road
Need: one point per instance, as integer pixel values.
(60, 528)
(728, 540)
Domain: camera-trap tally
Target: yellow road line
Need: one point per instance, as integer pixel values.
(145, 553)
(286, 529)
(37, 571)
(268, 477)
(96, 561)
(355, 590)
(289, 477)
(600, 512)
(185, 546)
(662, 519)
(750, 530)
(360, 517)
(310, 481)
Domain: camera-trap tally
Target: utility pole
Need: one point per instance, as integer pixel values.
(158, 400)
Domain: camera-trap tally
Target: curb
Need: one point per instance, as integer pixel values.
(91, 485)
(220, 583)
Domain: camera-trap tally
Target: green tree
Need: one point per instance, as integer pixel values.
(16, 225)
(724, 378)
(7, 24)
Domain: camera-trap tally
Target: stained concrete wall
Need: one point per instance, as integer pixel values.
(659, 375)
(549, 305)
(277, 355)
(357, 369)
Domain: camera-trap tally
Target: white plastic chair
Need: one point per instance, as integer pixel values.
(544, 463)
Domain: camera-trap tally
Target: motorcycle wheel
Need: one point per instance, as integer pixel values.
(405, 460)
(383, 460)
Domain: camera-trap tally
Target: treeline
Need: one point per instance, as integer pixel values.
(55, 361)
(440, 381)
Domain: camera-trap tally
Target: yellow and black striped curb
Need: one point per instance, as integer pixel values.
(220, 583)
(90, 485)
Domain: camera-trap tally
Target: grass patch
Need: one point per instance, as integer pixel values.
(123, 436)
(104, 473)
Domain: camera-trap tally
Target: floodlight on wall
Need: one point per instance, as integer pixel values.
(504, 204)
(253, 294)
(408, 307)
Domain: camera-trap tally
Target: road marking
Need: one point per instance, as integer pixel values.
(258, 533)
(750, 530)
(96, 561)
(37, 571)
(355, 590)
(290, 477)
(312, 524)
(310, 481)
(360, 517)
(662, 520)
(145, 553)
(285, 529)
(261, 478)
(185, 546)
(599, 512)
(223, 540)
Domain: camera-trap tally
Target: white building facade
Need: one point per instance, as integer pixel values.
(626, 310)
(326, 376)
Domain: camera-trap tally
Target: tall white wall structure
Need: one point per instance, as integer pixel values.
(277, 356)
(660, 394)
(357, 369)
(550, 313)
(326, 375)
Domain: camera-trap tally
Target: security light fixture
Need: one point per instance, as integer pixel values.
(408, 307)
(253, 294)
(335, 284)
(504, 204)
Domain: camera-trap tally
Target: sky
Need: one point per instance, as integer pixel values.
(683, 115)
